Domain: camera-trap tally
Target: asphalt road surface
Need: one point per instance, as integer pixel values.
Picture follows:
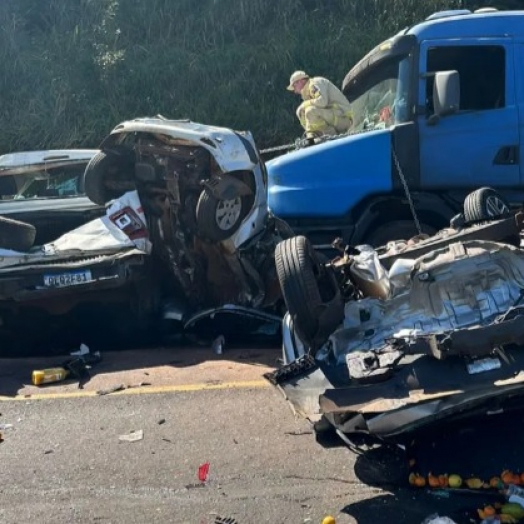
(63, 461)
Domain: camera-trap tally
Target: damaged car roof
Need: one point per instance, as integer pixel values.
(29, 161)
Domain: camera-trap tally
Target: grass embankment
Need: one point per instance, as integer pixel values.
(71, 70)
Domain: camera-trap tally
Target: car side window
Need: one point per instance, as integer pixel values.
(482, 71)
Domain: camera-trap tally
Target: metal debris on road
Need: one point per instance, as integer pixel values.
(218, 345)
(134, 436)
(113, 389)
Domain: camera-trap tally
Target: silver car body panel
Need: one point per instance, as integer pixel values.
(461, 285)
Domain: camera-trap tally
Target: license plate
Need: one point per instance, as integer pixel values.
(67, 279)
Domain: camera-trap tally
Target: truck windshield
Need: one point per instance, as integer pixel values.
(384, 102)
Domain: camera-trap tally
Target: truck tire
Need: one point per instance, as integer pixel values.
(397, 230)
(218, 219)
(485, 204)
(99, 169)
(307, 290)
(16, 235)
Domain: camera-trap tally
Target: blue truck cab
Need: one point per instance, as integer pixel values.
(440, 106)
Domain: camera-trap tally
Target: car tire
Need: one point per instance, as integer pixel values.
(218, 219)
(485, 204)
(96, 174)
(16, 235)
(308, 292)
(397, 230)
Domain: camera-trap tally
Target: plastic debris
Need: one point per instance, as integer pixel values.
(134, 436)
(329, 520)
(218, 345)
(47, 376)
(84, 350)
(203, 472)
(225, 520)
(3, 427)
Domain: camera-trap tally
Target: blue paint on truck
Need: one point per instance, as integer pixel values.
(310, 180)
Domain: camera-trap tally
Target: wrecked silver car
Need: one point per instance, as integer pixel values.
(386, 344)
(199, 205)
(203, 191)
(93, 281)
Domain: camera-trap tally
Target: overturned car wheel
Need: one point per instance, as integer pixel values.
(16, 235)
(218, 219)
(310, 291)
(102, 171)
(485, 204)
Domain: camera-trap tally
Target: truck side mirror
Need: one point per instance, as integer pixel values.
(446, 95)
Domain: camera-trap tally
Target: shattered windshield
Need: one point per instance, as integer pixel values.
(46, 183)
(384, 102)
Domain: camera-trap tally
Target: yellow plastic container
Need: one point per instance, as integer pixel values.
(46, 376)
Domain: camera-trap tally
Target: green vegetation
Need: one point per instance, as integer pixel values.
(72, 69)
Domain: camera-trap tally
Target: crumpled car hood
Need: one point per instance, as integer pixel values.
(229, 149)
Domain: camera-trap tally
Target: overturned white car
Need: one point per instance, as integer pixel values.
(386, 344)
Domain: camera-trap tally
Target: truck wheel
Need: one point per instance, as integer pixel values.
(397, 230)
(307, 289)
(218, 219)
(485, 204)
(16, 235)
(100, 168)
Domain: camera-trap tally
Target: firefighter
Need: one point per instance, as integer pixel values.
(324, 110)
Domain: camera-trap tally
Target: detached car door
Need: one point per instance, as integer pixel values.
(479, 144)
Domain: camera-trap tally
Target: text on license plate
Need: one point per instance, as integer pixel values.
(67, 279)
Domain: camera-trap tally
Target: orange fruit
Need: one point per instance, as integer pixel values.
(489, 511)
(482, 514)
(507, 476)
(433, 481)
(420, 481)
(443, 481)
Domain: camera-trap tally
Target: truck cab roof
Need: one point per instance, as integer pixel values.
(464, 23)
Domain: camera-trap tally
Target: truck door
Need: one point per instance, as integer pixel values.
(478, 145)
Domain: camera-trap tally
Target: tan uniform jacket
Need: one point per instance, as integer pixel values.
(324, 110)
(320, 92)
